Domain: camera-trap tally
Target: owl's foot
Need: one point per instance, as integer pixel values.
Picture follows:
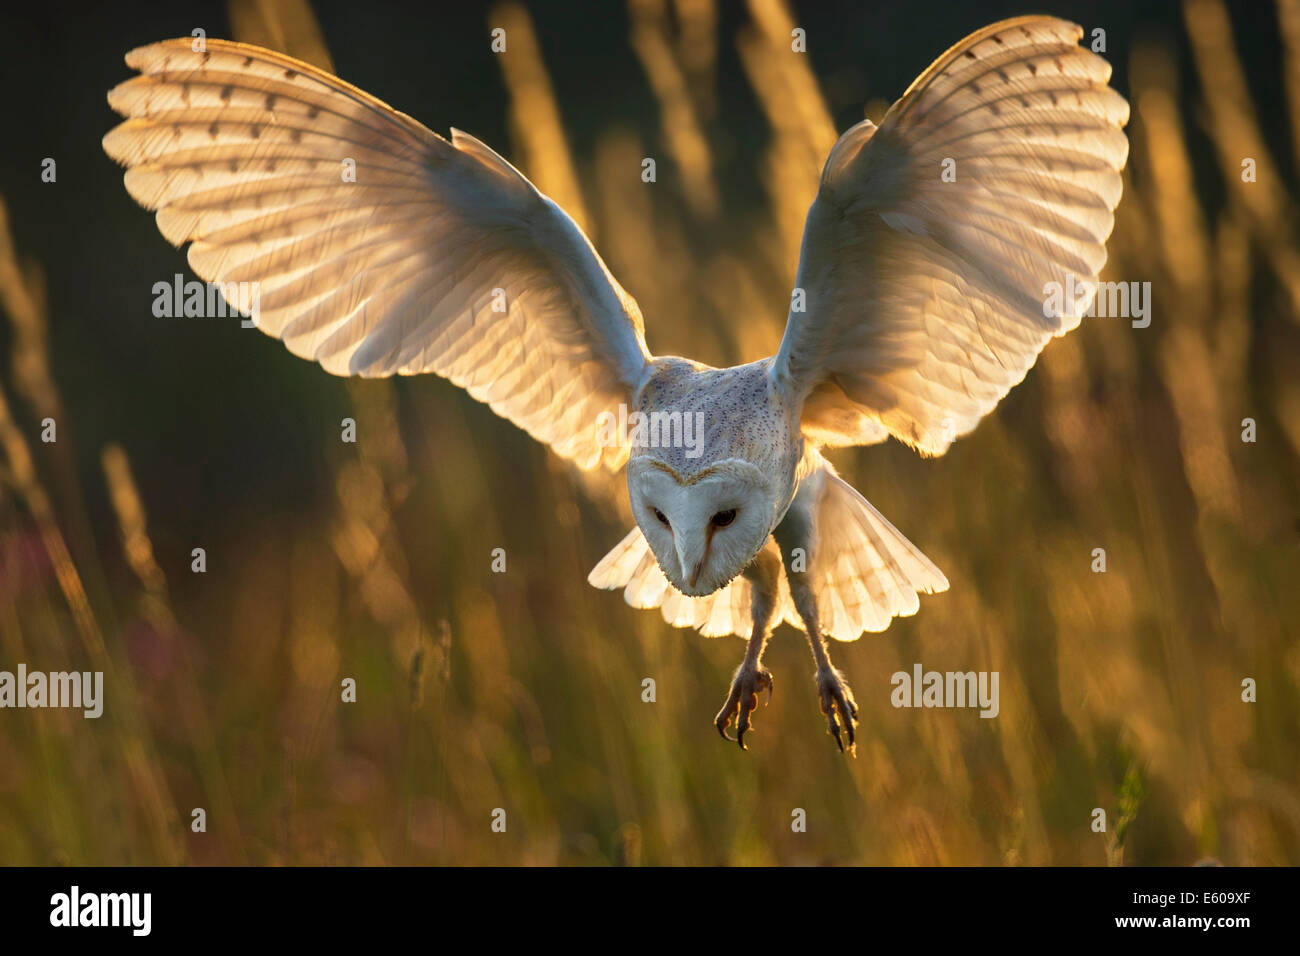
(838, 705)
(750, 679)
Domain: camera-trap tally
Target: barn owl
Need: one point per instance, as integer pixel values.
(381, 248)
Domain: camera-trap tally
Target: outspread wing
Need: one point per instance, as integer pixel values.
(377, 246)
(929, 250)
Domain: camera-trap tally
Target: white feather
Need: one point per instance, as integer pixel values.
(924, 297)
(864, 571)
(241, 152)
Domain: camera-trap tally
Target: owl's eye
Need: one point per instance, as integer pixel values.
(663, 520)
(724, 518)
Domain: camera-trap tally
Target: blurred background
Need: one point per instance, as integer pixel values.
(523, 690)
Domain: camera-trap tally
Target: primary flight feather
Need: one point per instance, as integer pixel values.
(381, 248)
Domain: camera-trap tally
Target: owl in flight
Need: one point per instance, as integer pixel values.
(919, 302)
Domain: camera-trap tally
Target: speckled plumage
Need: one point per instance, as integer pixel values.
(745, 416)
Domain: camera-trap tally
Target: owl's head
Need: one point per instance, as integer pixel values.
(703, 528)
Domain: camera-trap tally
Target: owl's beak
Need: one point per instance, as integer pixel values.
(690, 560)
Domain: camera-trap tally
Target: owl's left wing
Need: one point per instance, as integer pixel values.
(932, 241)
(377, 246)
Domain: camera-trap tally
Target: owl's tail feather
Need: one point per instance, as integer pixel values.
(631, 565)
(865, 572)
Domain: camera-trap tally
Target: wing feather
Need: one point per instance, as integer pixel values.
(925, 297)
(440, 256)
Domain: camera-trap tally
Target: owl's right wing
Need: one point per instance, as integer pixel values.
(933, 239)
(439, 257)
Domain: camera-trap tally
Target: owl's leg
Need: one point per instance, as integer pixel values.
(833, 691)
(752, 677)
(796, 536)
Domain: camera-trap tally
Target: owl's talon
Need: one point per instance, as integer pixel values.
(749, 681)
(841, 710)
